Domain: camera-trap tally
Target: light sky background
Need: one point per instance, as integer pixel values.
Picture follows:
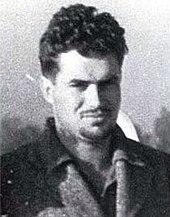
(146, 70)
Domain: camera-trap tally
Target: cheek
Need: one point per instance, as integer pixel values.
(113, 95)
(69, 101)
(77, 100)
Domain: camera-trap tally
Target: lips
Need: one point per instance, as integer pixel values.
(96, 115)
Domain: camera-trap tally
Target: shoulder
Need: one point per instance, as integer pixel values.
(14, 160)
(26, 155)
(23, 173)
(156, 162)
(146, 153)
(25, 158)
(18, 171)
(153, 157)
(15, 165)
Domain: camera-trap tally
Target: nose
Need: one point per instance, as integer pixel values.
(92, 98)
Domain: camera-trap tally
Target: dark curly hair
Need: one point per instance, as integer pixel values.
(81, 28)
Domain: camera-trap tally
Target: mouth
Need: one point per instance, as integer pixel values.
(94, 115)
(98, 117)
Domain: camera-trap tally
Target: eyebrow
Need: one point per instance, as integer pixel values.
(107, 80)
(80, 81)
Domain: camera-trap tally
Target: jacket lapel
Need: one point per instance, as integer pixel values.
(133, 175)
(73, 197)
(133, 183)
(76, 196)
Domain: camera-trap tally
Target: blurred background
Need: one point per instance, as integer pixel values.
(146, 70)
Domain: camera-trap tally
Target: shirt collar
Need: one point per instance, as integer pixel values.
(124, 151)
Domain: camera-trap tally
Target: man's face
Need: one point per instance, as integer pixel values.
(86, 95)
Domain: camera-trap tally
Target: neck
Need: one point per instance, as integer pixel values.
(91, 152)
(96, 154)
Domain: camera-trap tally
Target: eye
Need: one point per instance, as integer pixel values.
(81, 85)
(112, 81)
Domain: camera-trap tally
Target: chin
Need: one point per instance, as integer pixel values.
(95, 134)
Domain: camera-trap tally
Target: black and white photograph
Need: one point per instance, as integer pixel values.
(85, 108)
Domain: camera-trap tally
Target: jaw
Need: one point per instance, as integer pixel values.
(94, 134)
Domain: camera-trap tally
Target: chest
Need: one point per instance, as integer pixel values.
(71, 196)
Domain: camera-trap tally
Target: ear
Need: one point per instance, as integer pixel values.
(47, 88)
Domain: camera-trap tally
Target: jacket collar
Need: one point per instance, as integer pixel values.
(54, 154)
(126, 154)
(52, 151)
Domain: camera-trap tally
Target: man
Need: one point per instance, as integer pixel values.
(84, 165)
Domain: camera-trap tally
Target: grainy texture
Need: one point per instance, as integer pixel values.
(146, 69)
(34, 183)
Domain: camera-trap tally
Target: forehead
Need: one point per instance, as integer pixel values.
(75, 66)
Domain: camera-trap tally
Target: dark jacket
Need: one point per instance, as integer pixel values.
(41, 179)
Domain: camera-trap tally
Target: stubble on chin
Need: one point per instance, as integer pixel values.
(94, 136)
